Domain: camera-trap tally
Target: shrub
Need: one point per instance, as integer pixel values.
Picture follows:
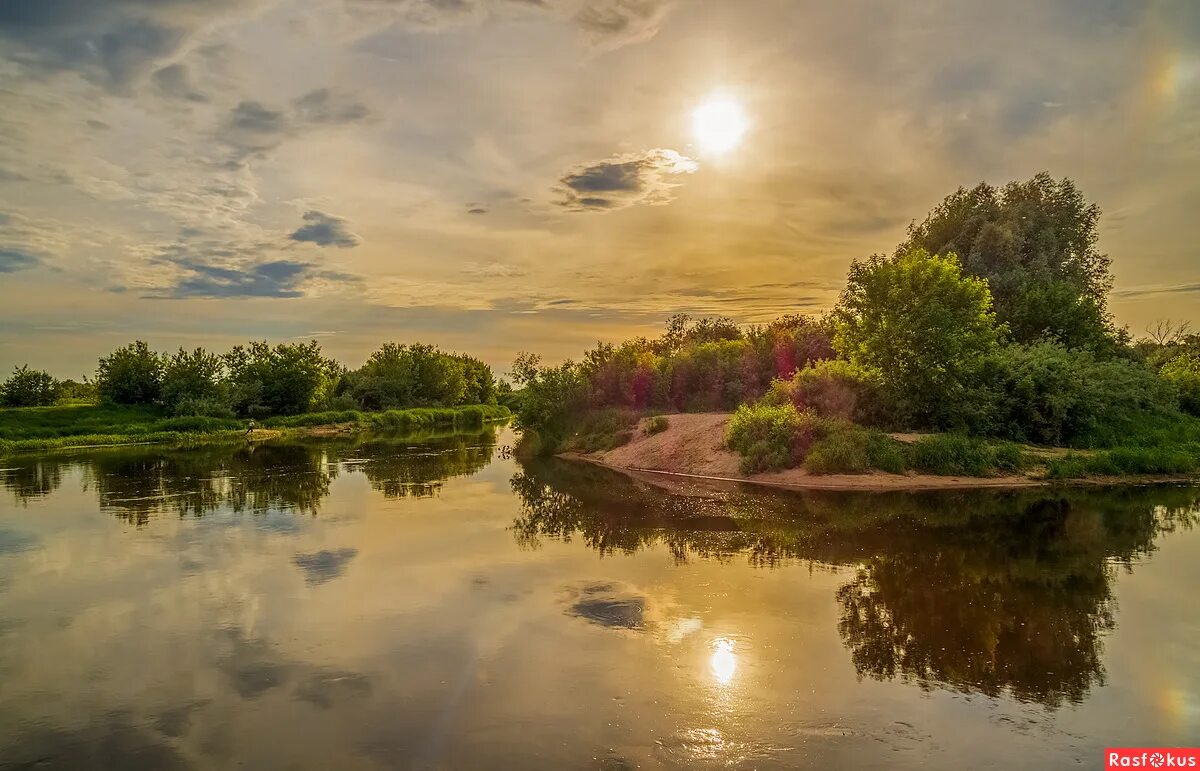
(770, 437)
(194, 375)
(1183, 372)
(203, 406)
(1125, 460)
(657, 424)
(1048, 394)
(832, 388)
(29, 388)
(961, 455)
(850, 449)
(130, 375)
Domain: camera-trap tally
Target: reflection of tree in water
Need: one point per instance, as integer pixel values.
(989, 592)
(136, 483)
(31, 479)
(404, 469)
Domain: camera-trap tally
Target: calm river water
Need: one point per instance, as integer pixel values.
(427, 603)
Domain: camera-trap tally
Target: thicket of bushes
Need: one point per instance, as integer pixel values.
(259, 381)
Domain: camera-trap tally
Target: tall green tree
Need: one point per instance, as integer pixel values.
(1035, 243)
(192, 375)
(29, 388)
(130, 375)
(286, 379)
(922, 324)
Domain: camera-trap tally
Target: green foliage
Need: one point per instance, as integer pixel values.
(1183, 372)
(397, 376)
(1047, 394)
(600, 430)
(193, 383)
(287, 379)
(922, 325)
(832, 388)
(72, 391)
(961, 455)
(1127, 460)
(657, 424)
(29, 388)
(130, 375)
(1035, 244)
(850, 449)
(770, 437)
(551, 398)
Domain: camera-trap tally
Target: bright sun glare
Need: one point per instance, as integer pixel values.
(718, 125)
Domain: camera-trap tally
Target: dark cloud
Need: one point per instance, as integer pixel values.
(477, 210)
(326, 106)
(328, 689)
(324, 565)
(625, 180)
(325, 230)
(175, 82)
(13, 259)
(253, 128)
(614, 23)
(277, 278)
(112, 44)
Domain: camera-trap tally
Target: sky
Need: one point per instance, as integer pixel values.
(493, 176)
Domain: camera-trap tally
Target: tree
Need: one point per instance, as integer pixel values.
(417, 375)
(191, 376)
(130, 375)
(922, 324)
(1183, 372)
(287, 379)
(29, 388)
(551, 397)
(1035, 243)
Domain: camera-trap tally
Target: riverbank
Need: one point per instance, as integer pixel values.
(39, 429)
(693, 446)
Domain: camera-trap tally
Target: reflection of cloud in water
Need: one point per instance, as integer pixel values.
(324, 565)
(325, 689)
(110, 743)
(14, 541)
(608, 604)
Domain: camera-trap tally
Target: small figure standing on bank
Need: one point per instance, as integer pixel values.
(250, 428)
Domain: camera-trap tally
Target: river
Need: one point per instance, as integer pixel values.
(429, 603)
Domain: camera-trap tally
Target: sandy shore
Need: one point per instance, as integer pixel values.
(693, 447)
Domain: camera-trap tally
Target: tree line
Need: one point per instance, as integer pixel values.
(991, 317)
(259, 380)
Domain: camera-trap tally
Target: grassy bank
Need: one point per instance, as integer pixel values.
(42, 428)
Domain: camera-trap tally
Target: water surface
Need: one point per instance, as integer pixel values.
(425, 603)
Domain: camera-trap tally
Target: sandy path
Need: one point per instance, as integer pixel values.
(693, 447)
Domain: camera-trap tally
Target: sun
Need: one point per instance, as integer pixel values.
(718, 124)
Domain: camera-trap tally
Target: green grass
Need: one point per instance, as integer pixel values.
(37, 428)
(961, 455)
(1123, 461)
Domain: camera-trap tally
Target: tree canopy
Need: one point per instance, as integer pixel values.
(1035, 243)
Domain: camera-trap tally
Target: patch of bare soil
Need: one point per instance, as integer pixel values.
(693, 446)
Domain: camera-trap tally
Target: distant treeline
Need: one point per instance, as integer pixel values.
(260, 380)
(990, 318)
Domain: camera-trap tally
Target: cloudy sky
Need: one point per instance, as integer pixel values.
(499, 175)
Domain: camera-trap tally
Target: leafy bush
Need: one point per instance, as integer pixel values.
(130, 375)
(961, 455)
(203, 406)
(771, 437)
(832, 388)
(657, 424)
(29, 388)
(1183, 372)
(1047, 394)
(851, 449)
(286, 379)
(923, 325)
(192, 376)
